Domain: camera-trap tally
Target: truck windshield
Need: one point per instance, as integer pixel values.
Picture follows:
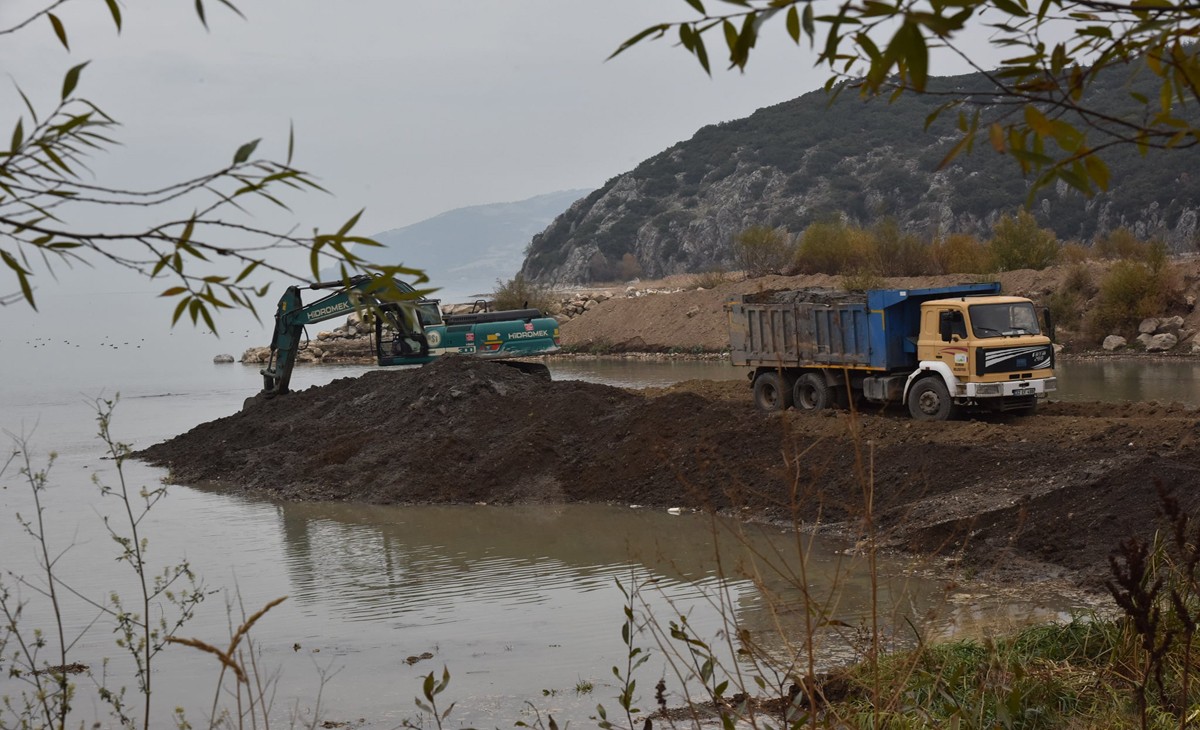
(1004, 320)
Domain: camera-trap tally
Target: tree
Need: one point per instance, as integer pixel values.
(41, 177)
(1035, 107)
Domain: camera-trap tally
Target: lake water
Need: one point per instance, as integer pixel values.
(521, 604)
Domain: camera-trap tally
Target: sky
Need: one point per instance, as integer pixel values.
(400, 108)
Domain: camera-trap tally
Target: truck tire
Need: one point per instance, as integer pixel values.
(812, 393)
(770, 393)
(930, 401)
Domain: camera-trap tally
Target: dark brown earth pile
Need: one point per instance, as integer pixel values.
(1063, 486)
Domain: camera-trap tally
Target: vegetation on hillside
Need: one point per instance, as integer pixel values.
(812, 160)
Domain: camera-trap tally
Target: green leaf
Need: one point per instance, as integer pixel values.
(793, 23)
(200, 12)
(996, 134)
(1097, 170)
(916, 55)
(954, 151)
(59, 30)
(243, 153)
(1011, 8)
(350, 224)
(291, 141)
(806, 21)
(71, 80)
(659, 29)
(115, 11)
(179, 309)
(18, 136)
(699, 8)
(173, 291)
(22, 277)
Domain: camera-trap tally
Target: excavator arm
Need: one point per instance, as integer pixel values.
(291, 316)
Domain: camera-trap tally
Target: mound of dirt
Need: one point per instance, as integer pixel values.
(1063, 486)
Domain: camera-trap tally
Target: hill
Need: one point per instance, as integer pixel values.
(465, 250)
(809, 160)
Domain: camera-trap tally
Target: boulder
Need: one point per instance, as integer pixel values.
(1169, 324)
(223, 359)
(1114, 342)
(1162, 342)
(1144, 339)
(1148, 326)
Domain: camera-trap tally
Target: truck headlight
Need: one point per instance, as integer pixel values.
(1051, 384)
(988, 389)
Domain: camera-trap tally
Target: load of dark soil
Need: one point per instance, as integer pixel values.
(1063, 486)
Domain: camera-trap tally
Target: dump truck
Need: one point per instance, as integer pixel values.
(936, 350)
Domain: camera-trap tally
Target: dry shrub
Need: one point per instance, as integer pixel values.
(1074, 253)
(900, 253)
(762, 250)
(1068, 303)
(862, 281)
(710, 279)
(831, 248)
(520, 293)
(1121, 243)
(629, 267)
(961, 253)
(1019, 243)
(1129, 293)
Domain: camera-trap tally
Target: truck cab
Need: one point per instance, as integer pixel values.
(988, 350)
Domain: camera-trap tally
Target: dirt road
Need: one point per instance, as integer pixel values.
(1062, 487)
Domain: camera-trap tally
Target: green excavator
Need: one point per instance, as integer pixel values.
(409, 330)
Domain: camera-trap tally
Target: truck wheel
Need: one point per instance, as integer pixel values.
(770, 393)
(812, 393)
(930, 401)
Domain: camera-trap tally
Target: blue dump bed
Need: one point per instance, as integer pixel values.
(874, 330)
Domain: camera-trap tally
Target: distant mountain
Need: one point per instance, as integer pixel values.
(464, 251)
(807, 160)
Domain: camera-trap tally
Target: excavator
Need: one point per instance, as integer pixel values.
(409, 330)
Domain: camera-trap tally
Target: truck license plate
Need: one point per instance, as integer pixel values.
(1024, 391)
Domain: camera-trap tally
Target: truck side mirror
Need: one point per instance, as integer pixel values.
(1049, 323)
(946, 325)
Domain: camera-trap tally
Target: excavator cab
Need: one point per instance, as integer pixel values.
(400, 332)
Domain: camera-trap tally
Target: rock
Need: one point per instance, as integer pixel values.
(1144, 339)
(1114, 342)
(590, 303)
(1148, 326)
(692, 312)
(223, 359)
(1169, 324)
(1162, 342)
(1195, 347)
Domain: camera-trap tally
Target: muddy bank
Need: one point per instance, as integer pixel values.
(1063, 486)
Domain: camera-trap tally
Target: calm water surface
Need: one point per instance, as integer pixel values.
(520, 603)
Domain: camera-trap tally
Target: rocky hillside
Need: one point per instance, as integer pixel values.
(806, 160)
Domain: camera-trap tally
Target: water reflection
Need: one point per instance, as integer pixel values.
(445, 565)
(1138, 379)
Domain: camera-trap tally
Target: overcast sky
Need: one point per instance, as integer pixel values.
(405, 108)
